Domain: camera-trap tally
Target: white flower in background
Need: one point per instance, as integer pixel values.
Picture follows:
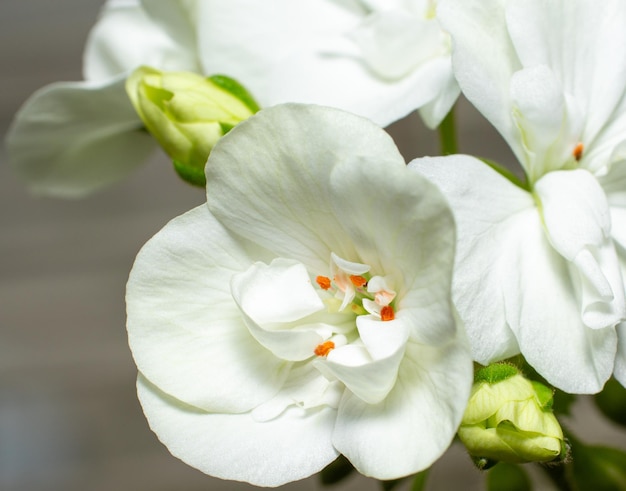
(378, 58)
(381, 60)
(540, 269)
(71, 138)
(305, 310)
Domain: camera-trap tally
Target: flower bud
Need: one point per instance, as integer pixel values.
(188, 113)
(510, 419)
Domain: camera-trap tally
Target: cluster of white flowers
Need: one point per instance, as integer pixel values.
(329, 299)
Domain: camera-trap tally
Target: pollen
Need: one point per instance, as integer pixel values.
(387, 313)
(323, 282)
(578, 151)
(324, 348)
(358, 281)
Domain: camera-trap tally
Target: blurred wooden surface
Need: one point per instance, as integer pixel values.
(69, 419)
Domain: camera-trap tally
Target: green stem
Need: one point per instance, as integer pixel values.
(447, 134)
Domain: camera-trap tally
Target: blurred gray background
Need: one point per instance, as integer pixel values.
(69, 418)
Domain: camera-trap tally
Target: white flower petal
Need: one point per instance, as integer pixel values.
(305, 387)
(349, 267)
(70, 139)
(292, 446)
(126, 37)
(494, 39)
(589, 61)
(282, 198)
(614, 185)
(272, 299)
(488, 229)
(403, 228)
(416, 422)
(370, 374)
(382, 338)
(508, 276)
(276, 293)
(539, 111)
(577, 220)
(575, 211)
(484, 59)
(394, 42)
(433, 112)
(543, 310)
(184, 327)
(314, 66)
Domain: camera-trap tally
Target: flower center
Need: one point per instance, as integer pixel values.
(345, 324)
(358, 292)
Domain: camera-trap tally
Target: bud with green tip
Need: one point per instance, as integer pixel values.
(188, 113)
(510, 419)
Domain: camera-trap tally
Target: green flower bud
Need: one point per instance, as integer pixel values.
(188, 113)
(510, 419)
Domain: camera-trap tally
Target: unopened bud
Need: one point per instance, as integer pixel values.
(510, 419)
(188, 113)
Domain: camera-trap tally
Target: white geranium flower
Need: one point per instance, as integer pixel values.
(540, 269)
(378, 58)
(71, 138)
(381, 60)
(304, 311)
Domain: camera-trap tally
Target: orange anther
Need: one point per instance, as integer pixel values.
(324, 348)
(578, 151)
(358, 281)
(323, 282)
(387, 313)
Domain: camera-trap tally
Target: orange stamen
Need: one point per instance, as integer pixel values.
(323, 282)
(387, 313)
(324, 348)
(358, 281)
(578, 151)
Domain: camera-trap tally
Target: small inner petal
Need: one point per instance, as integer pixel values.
(384, 298)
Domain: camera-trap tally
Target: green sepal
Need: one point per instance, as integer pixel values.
(544, 395)
(508, 477)
(226, 127)
(561, 401)
(193, 175)
(504, 172)
(336, 471)
(494, 373)
(235, 88)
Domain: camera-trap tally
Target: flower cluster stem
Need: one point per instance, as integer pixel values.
(447, 134)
